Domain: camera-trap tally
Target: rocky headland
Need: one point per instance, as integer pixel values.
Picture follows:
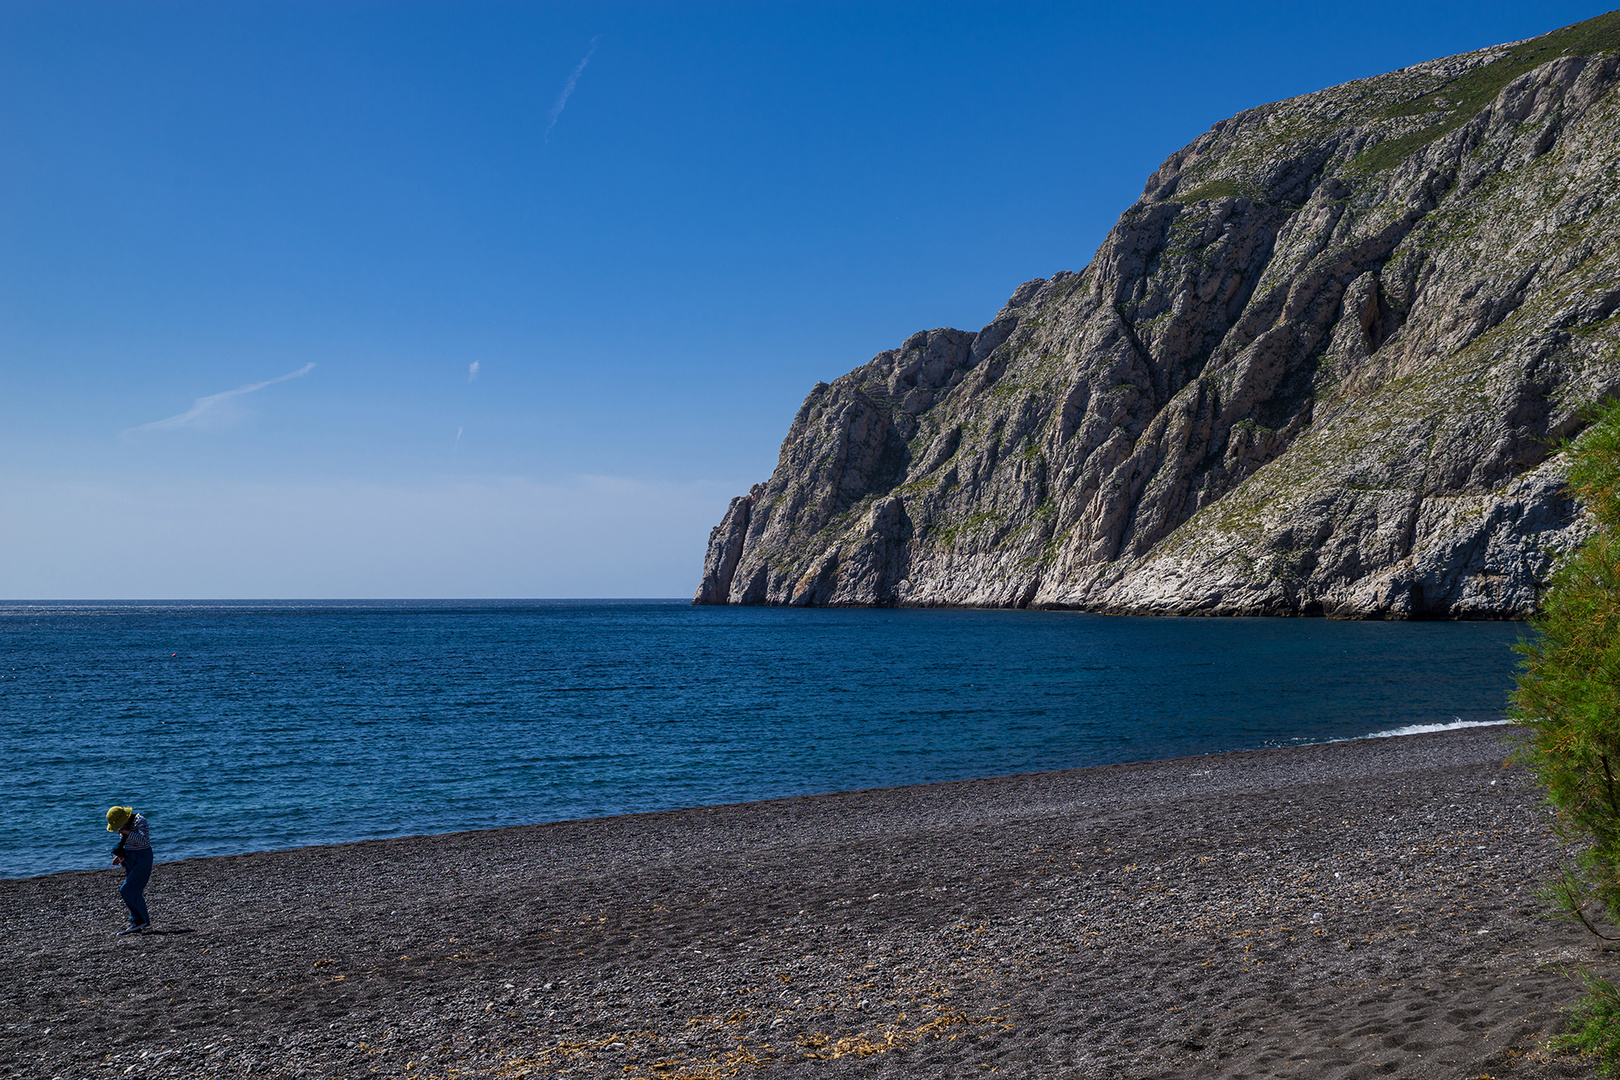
(1324, 365)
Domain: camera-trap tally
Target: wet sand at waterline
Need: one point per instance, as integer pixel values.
(1356, 909)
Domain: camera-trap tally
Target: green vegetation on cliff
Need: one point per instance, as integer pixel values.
(1456, 102)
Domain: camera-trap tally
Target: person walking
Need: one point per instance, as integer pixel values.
(134, 854)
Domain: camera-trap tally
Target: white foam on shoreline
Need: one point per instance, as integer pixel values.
(1424, 729)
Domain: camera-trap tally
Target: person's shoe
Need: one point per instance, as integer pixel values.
(139, 928)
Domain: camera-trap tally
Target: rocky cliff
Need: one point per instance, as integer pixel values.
(1323, 366)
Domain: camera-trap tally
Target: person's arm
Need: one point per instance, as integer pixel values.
(137, 836)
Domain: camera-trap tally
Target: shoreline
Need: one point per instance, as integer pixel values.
(1401, 732)
(1345, 909)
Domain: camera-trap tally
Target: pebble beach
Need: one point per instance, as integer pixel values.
(1355, 909)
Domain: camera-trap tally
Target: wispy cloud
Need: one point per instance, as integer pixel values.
(568, 89)
(215, 409)
(472, 371)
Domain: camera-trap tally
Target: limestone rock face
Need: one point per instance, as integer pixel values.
(1323, 366)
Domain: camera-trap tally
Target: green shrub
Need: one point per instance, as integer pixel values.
(1596, 1023)
(1568, 702)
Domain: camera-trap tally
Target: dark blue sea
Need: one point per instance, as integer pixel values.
(239, 726)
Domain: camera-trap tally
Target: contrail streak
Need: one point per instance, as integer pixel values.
(204, 407)
(568, 89)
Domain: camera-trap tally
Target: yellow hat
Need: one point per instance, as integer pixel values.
(117, 816)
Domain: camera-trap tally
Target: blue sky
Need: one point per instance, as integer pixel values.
(508, 299)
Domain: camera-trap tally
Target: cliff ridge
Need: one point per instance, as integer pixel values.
(1323, 365)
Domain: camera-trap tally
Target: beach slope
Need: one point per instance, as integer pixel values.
(1357, 909)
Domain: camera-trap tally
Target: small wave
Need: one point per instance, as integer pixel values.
(1424, 729)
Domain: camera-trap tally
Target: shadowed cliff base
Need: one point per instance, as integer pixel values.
(1323, 366)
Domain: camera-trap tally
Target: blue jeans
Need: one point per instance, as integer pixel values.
(137, 872)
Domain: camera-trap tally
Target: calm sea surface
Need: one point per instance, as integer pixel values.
(248, 726)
